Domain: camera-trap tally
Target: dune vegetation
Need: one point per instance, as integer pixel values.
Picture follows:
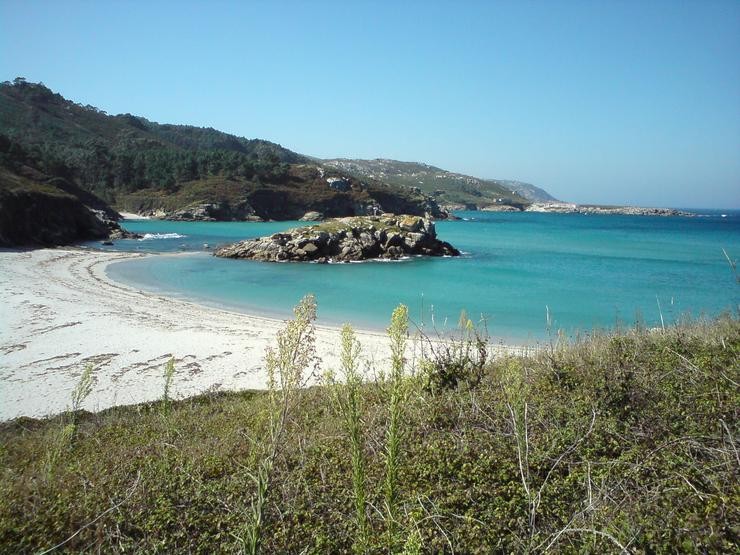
(617, 442)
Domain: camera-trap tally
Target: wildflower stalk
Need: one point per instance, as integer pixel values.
(397, 332)
(169, 373)
(347, 396)
(286, 366)
(68, 430)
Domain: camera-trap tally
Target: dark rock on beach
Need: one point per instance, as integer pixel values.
(346, 240)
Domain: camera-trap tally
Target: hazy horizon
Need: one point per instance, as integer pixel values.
(608, 103)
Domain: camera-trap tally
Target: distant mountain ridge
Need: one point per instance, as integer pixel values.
(527, 190)
(448, 188)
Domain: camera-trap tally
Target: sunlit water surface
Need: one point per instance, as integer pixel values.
(585, 271)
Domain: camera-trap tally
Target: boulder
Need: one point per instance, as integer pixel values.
(411, 223)
(312, 217)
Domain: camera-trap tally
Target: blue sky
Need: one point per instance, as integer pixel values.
(606, 102)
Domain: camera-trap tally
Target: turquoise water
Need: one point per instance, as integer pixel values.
(587, 271)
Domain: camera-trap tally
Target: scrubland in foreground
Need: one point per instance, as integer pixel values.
(622, 442)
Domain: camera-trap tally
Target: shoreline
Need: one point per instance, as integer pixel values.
(59, 311)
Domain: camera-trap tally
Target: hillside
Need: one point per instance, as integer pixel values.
(448, 188)
(527, 190)
(39, 210)
(175, 170)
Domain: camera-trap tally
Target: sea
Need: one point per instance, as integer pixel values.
(522, 278)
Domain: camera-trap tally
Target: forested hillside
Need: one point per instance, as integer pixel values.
(181, 171)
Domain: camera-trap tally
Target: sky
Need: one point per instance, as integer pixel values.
(623, 102)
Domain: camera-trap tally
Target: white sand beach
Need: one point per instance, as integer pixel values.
(133, 216)
(60, 312)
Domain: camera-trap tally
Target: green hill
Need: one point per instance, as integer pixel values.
(448, 188)
(134, 164)
(526, 190)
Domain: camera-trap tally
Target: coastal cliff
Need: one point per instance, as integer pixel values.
(346, 240)
(36, 211)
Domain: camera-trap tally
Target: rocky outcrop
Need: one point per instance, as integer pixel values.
(312, 217)
(569, 208)
(34, 218)
(484, 208)
(459, 207)
(346, 240)
(215, 211)
(38, 211)
(500, 208)
(416, 203)
(117, 232)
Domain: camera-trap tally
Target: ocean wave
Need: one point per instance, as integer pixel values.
(381, 260)
(148, 236)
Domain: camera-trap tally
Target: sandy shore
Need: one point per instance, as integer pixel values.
(132, 216)
(59, 312)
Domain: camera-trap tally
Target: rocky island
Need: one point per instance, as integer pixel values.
(346, 240)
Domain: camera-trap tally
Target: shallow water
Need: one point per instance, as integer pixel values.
(586, 271)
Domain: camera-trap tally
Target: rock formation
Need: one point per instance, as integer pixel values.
(570, 208)
(213, 212)
(38, 211)
(312, 216)
(346, 240)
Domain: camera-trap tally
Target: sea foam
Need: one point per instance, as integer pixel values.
(148, 236)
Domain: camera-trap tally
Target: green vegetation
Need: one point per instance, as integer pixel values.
(62, 442)
(397, 397)
(287, 367)
(11, 183)
(114, 155)
(169, 375)
(447, 187)
(348, 399)
(36, 209)
(134, 164)
(623, 442)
